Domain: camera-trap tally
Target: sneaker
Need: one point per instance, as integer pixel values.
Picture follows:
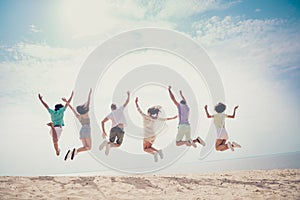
(107, 148)
(73, 154)
(229, 145)
(192, 143)
(236, 145)
(67, 155)
(102, 145)
(200, 141)
(155, 156)
(160, 153)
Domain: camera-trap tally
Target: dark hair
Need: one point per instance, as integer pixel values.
(220, 107)
(183, 102)
(113, 106)
(153, 111)
(58, 106)
(82, 109)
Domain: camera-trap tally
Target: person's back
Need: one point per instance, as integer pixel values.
(117, 117)
(57, 116)
(219, 120)
(183, 113)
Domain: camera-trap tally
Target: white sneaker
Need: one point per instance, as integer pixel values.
(102, 145)
(160, 153)
(192, 143)
(236, 145)
(155, 156)
(107, 148)
(229, 145)
(200, 141)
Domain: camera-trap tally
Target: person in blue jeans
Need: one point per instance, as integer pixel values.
(57, 121)
(184, 128)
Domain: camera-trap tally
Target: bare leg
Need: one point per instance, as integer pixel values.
(54, 138)
(180, 143)
(148, 147)
(114, 144)
(221, 145)
(86, 142)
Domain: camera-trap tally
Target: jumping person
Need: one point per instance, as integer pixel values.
(219, 121)
(150, 125)
(57, 121)
(118, 120)
(184, 128)
(82, 115)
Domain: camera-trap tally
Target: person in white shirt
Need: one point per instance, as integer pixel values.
(152, 125)
(118, 120)
(219, 121)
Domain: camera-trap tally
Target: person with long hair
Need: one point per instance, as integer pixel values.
(150, 121)
(82, 114)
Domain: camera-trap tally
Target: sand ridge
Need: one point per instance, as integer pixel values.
(256, 184)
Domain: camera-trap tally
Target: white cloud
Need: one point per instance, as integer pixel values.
(257, 10)
(183, 9)
(271, 42)
(34, 29)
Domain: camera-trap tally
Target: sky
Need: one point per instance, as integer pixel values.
(44, 45)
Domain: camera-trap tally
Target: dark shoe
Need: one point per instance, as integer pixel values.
(73, 154)
(67, 155)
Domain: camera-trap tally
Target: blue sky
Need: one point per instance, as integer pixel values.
(253, 44)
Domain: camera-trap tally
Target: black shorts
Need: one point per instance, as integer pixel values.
(116, 132)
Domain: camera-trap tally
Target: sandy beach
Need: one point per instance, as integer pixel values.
(256, 184)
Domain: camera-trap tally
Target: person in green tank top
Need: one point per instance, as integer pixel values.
(82, 115)
(57, 121)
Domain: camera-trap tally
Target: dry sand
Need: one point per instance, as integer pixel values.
(257, 184)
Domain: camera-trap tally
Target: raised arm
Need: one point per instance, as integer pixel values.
(89, 98)
(104, 134)
(75, 113)
(127, 100)
(138, 107)
(182, 96)
(172, 96)
(69, 100)
(168, 118)
(207, 114)
(43, 102)
(233, 115)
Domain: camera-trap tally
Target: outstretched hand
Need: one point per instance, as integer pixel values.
(205, 107)
(136, 100)
(40, 97)
(128, 93)
(64, 99)
(236, 107)
(170, 87)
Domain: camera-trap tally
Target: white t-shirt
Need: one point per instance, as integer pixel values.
(219, 120)
(117, 117)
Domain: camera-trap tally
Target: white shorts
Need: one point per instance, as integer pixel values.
(222, 134)
(58, 132)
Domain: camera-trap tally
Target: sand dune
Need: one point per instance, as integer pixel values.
(257, 184)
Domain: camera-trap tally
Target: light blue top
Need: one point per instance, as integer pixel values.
(57, 117)
(183, 113)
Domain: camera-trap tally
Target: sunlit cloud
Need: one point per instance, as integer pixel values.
(34, 29)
